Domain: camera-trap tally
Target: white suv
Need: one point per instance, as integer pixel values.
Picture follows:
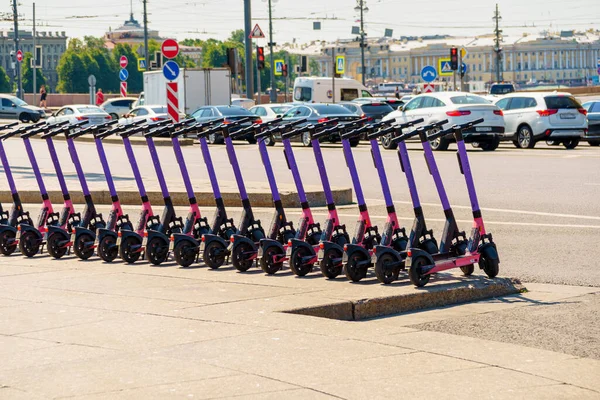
(551, 116)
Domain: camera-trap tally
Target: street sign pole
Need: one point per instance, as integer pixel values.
(258, 85)
(333, 68)
(170, 49)
(248, 48)
(460, 69)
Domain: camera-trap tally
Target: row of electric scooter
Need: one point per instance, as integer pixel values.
(303, 247)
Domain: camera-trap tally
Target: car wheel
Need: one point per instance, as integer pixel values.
(114, 116)
(552, 142)
(24, 117)
(440, 144)
(214, 139)
(35, 118)
(491, 145)
(475, 145)
(525, 138)
(386, 142)
(594, 143)
(354, 142)
(571, 144)
(269, 141)
(251, 140)
(306, 140)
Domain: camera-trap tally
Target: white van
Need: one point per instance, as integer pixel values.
(320, 90)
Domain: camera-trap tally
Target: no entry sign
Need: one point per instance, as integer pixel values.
(123, 62)
(170, 48)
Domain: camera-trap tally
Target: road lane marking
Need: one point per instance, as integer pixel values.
(540, 213)
(534, 224)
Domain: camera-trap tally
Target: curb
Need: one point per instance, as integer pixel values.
(135, 141)
(424, 298)
(341, 196)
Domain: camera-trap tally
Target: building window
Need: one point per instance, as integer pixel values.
(525, 77)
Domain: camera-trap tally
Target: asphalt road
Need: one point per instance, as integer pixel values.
(541, 205)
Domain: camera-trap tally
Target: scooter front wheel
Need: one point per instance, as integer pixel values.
(184, 254)
(7, 242)
(267, 262)
(29, 244)
(240, 256)
(157, 251)
(331, 264)
(297, 264)
(214, 255)
(385, 274)
(461, 250)
(489, 262)
(356, 272)
(56, 245)
(417, 278)
(82, 246)
(129, 250)
(107, 249)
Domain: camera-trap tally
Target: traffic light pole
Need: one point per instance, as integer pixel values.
(248, 48)
(258, 85)
(146, 52)
(17, 63)
(273, 89)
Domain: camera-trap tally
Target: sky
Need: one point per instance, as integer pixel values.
(217, 18)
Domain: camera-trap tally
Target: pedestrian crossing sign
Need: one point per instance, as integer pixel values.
(340, 65)
(279, 67)
(141, 62)
(444, 67)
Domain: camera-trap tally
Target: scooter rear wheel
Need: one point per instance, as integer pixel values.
(489, 262)
(416, 276)
(214, 255)
(157, 251)
(356, 272)
(184, 253)
(331, 264)
(6, 248)
(55, 245)
(461, 249)
(296, 264)
(29, 244)
(107, 249)
(384, 274)
(82, 248)
(267, 263)
(239, 257)
(129, 249)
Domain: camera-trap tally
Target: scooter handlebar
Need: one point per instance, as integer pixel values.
(159, 130)
(325, 132)
(309, 127)
(418, 131)
(8, 126)
(131, 131)
(454, 129)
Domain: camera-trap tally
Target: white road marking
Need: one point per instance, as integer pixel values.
(544, 214)
(464, 221)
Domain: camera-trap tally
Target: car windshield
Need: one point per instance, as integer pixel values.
(502, 89)
(469, 99)
(331, 109)
(302, 93)
(280, 109)
(234, 111)
(159, 110)
(18, 101)
(90, 110)
(556, 102)
(377, 108)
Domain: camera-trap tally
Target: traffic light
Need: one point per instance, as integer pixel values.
(231, 59)
(303, 64)
(454, 58)
(260, 56)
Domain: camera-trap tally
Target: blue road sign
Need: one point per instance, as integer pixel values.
(171, 70)
(123, 74)
(279, 66)
(463, 68)
(428, 73)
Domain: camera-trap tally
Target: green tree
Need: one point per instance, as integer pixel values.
(72, 75)
(5, 86)
(27, 72)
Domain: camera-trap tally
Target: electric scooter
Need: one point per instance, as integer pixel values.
(390, 260)
(243, 246)
(10, 219)
(106, 239)
(186, 248)
(302, 256)
(455, 250)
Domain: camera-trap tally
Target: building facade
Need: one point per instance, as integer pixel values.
(54, 44)
(567, 58)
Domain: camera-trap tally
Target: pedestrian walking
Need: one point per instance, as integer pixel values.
(43, 95)
(99, 97)
(397, 92)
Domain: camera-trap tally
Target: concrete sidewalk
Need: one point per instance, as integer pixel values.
(96, 331)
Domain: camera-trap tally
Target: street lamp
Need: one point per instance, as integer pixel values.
(361, 7)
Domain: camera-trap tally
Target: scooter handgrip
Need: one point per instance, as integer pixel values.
(105, 134)
(353, 133)
(438, 124)
(132, 131)
(443, 133)
(296, 132)
(470, 124)
(210, 131)
(381, 132)
(53, 132)
(324, 132)
(231, 124)
(74, 135)
(157, 131)
(31, 133)
(244, 131)
(295, 123)
(5, 127)
(411, 123)
(405, 136)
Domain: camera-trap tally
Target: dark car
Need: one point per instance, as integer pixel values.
(593, 116)
(231, 114)
(316, 113)
(374, 112)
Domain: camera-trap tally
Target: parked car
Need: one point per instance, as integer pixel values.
(532, 117)
(118, 106)
(269, 112)
(148, 113)
(243, 102)
(374, 111)
(593, 115)
(14, 107)
(230, 113)
(316, 113)
(140, 101)
(457, 108)
(94, 115)
(391, 101)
